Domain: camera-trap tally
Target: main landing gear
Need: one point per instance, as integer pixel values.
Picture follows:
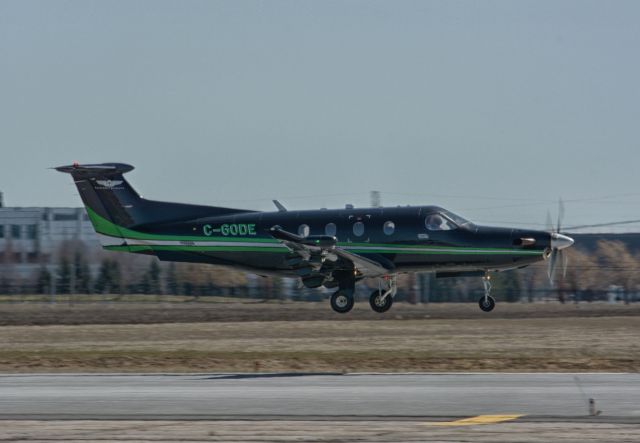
(342, 301)
(381, 299)
(486, 302)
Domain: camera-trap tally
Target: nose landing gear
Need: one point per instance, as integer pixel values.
(486, 302)
(381, 300)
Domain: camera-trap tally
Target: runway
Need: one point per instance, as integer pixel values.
(441, 397)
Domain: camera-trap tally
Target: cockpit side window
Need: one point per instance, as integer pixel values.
(439, 222)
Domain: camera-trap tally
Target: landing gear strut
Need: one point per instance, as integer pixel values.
(382, 299)
(486, 302)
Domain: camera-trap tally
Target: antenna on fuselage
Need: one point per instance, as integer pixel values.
(279, 205)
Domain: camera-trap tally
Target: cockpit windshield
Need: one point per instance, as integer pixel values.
(444, 220)
(462, 222)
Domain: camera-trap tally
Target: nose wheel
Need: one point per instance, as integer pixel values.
(380, 301)
(486, 302)
(382, 298)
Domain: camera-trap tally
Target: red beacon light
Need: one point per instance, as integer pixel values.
(75, 164)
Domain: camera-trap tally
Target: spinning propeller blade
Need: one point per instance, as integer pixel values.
(551, 270)
(558, 243)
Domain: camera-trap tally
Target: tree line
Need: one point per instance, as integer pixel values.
(590, 275)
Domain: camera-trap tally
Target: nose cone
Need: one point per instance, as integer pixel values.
(559, 241)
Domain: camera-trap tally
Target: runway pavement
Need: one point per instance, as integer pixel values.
(440, 397)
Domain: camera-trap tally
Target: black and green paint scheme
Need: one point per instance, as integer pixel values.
(321, 247)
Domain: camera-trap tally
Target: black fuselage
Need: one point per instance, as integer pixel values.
(244, 240)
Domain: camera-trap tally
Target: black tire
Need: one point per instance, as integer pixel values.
(488, 305)
(379, 305)
(342, 301)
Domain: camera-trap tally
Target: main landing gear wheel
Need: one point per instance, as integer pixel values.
(379, 302)
(487, 303)
(342, 301)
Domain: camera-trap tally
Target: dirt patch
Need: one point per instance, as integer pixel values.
(485, 344)
(79, 312)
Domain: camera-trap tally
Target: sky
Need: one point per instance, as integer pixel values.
(493, 109)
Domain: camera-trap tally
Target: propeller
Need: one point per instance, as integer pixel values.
(558, 243)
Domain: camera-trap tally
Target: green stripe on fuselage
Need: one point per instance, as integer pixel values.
(283, 249)
(144, 248)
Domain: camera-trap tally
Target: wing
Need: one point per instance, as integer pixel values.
(315, 249)
(365, 266)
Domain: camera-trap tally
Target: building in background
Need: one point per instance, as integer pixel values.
(46, 250)
(35, 237)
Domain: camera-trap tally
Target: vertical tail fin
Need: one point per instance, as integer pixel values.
(105, 192)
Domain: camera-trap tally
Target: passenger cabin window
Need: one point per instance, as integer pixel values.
(389, 227)
(438, 222)
(330, 229)
(303, 230)
(358, 229)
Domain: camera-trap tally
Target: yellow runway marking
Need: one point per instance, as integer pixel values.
(478, 420)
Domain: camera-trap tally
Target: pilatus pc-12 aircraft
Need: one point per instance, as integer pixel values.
(334, 248)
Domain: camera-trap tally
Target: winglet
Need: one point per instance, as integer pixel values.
(279, 205)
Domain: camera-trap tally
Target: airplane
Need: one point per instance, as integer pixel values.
(334, 248)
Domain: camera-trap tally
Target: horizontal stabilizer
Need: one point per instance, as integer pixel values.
(98, 170)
